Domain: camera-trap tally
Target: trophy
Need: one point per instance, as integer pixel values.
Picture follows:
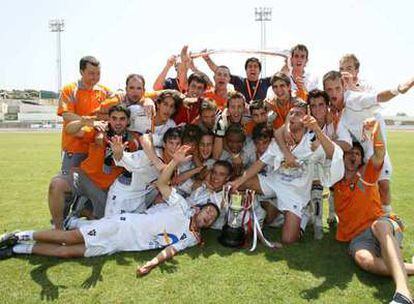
(238, 207)
(240, 214)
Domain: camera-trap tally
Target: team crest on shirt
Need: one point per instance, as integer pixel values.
(291, 173)
(162, 240)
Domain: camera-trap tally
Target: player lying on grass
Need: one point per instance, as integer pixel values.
(374, 237)
(173, 226)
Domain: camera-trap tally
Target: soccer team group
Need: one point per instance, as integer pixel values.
(144, 170)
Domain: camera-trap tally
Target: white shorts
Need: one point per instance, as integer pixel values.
(265, 185)
(101, 237)
(120, 201)
(269, 192)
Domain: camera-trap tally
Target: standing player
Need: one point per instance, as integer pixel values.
(302, 81)
(141, 108)
(252, 87)
(78, 101)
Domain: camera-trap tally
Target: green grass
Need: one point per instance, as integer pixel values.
(310, 271)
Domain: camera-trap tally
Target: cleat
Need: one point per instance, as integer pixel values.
(399, 298)
(8, 240)
(6, 253)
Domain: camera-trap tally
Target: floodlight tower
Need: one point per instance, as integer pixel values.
(263, 14)
(57, 26)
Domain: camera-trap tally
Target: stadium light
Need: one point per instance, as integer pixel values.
(57, 26)
(263, 14)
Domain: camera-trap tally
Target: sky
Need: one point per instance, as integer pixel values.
(138, 36)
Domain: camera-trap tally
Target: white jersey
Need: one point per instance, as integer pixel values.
(293, 185)
(359, 107)
(159, 131)
(310, 81)
(139, 120)
(158, 227)
(340, 134)
(130, 197)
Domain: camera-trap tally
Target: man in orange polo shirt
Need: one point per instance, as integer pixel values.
(375, 239)
(77, 101)
(98, 171)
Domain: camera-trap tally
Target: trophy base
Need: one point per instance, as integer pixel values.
(232, 237)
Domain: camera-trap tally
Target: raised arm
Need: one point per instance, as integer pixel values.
(183, 177)
(163, 183)
(374, 128)
(327, 145)
(280, 137)
(148, 147)
(159, 82)
(74, 127)
(248, 174)
(402, 88)
(213, 67)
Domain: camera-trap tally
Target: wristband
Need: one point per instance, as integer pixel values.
(395, 91)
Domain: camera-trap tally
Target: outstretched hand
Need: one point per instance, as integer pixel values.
(180, 156)
(172, 60)
(143, 270)
(311, 123)
(117, 147)
(404, 87)
(369, 128)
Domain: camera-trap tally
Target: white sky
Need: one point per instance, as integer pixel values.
(138, 36)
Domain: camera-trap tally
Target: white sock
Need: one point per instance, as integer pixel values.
(316, 197)
(23, 248)
(25, 235)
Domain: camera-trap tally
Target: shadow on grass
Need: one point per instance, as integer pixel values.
(328, 260)
(210, 246)
(50, 290)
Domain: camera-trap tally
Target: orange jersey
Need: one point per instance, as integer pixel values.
(94, 165)
(74, 98)
(281, 112)
(220, 101)
(357, 203)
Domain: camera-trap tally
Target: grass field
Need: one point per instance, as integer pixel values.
(310, 271)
